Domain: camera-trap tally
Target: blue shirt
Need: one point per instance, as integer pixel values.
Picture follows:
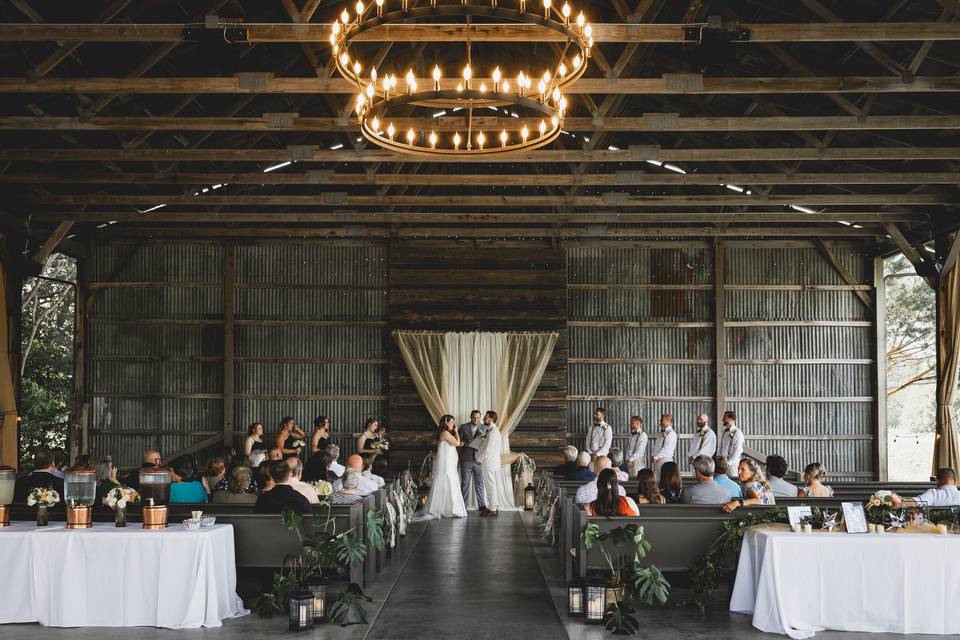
(190, 492)
(727, 483)
(582, 474)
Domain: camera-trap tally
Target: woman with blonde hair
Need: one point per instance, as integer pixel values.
(755, 487)
(813, 475)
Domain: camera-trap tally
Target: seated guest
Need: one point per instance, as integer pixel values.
(335, 466)
(296, 471)
(213, 474)
(813, 487)
(671, 484)
(569, 462)
(582, 472)
(616, 460)
(366, 486)
(60, 461)
(106, 479)
(238, 488)
(281, 495)
(587, 493)
(706, 491)
(186, 489)
(261, 475)
(256, 457)
(152, 458)
(368, 470)
(721, 478)
(316, 467)
(755, 487)
(348, 494)
(381, 467)
(609, 501)
(648, 491)
(776, 469)
(42, 476)
(945, 494)
(85, 460)
(275, 453)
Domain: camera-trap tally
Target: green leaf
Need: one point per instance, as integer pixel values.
(617, 618)
(348, 608)
(350, 549)
(376, 528)
(590, 535)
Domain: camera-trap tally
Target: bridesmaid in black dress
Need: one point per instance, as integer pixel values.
(321, 435)
(287, 439)
(254, 439)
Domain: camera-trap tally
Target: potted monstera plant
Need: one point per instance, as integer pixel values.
(624, 549)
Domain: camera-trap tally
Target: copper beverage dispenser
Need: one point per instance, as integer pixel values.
(79, 492)
(155, 493)
(8, 478)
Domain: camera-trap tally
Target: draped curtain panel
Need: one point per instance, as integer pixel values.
(945, 443)
(425, 355)
(472, 381)
(8, 397)
(525, 358)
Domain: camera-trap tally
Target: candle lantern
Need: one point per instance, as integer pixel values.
(155, 493)
(575, 599)
(529, 497)
(594, 601)
(8, 478)
(318, 587)
(301, 611)
(79, 490)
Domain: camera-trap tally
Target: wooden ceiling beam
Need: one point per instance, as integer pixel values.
(650, 123)
(616, 199)
(621, 178)
(285, 33)
(833, 154)
(49, 63)
(666, 85)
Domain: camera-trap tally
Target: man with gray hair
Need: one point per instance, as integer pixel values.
(296, 481)
(569, 461)
(349, 493)
(582, 473)
(335, 466)
(706, 491)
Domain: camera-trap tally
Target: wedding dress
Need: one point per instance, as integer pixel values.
(445, 500)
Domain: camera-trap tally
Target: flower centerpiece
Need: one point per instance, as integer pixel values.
(117, 499)
(43, 498)
(879, 508)
(323, 487)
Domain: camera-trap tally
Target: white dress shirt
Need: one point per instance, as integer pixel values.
(366, 485)
(943, 496)
(703, 443)
(587, 493)
(665, 446)
(781, 488)
(374, 477)
(599, 439)
(731, 448)
(306, 490)
(636, 453)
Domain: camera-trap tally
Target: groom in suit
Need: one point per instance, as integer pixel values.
(471, 471)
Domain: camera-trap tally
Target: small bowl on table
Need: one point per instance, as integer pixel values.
(208, 521)
(191, 524)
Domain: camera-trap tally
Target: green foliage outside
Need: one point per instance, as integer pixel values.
(47, 363)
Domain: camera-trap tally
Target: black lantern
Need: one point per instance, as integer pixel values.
(594, 601)
(317, 586)
(529, 497)
(575, 599)
(301, 611)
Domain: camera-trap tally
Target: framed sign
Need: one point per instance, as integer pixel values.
(854, 517)
(795, 513)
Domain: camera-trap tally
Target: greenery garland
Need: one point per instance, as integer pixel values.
(711, 567)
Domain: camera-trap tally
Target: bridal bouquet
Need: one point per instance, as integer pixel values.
(323, 487)
(299, 444)
(384, 444)
(43, 496)
(120, 497)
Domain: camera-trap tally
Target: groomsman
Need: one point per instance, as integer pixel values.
(731, 443)
(704, 440)
(635, 454)
(471, 471)
(600, 436)
(665, 446)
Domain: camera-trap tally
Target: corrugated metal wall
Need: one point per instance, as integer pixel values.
(309, 340)
(642, 343)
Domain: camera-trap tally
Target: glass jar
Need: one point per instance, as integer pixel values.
(155, 485)
(79, 486)
(8, 478)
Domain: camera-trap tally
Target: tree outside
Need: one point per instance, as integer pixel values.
(46, 366)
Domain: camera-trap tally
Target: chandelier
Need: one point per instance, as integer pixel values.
(535, 98)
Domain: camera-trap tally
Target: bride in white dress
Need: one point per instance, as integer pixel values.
(445, 500)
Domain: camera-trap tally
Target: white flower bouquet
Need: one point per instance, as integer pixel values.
(383, 444)
(43, 496)
(299, 444)
(323, 487)
(882, 498)
(120, 497)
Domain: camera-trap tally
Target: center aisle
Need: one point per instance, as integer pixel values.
(470, 578)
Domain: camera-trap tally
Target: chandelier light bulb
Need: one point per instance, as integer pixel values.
(375, 124)
(546, 76)
(359, 7)
(496, 79)
(587, 30)
(562, 70)
(370, 90)
(577, 61)
(543, 127)
(481, 139)
(433, 139)
(391, 131)
(467, 74)
(562, 104)
(554, 121)
(556, 95)
(459, 87)
(542, 88)
(345, 16)
(566, 12)
(503, 138)
(411, 136)
(581, 20)
(456, 140)
(411, 82)
(333, 38)
(506, 86)
(373, 74)
(436, 78)
(379, 7)
(357, 68)
(483, 87)
(523, 5)
(525, 133)
(546, 9)
(335, 27)
(344, 58)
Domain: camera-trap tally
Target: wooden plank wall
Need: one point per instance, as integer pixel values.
(466, 285)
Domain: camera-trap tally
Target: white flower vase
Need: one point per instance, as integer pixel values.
(120, 517)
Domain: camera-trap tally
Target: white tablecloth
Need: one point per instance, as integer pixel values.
(798, 584)
(110, 577)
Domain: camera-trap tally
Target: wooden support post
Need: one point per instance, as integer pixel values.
(229, 295)
(51, 243)
(842, 271)
(880, 369)
(720, 333)
(951, 260)
(923, 266)
(79, 420)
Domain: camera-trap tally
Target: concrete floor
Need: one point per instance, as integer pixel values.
(443, 586)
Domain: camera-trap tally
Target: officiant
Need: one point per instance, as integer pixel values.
(471, 471)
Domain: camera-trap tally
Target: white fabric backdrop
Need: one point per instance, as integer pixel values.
(798, 584)
(110, 577)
